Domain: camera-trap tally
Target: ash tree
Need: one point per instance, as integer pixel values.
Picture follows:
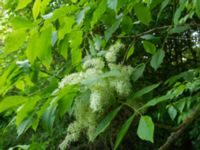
(104, 74)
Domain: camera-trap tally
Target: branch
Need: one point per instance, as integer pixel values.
(174, 135)
(146, 32)
(166, 127)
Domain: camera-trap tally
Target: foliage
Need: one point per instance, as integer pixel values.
(80, 70)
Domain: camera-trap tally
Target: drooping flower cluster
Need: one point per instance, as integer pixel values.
(111, 55)
(101, 87)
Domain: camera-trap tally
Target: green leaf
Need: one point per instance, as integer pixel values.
(49, 117)
(178, 12)
(20, 85)
(143, 13)
(43, 5)
(99, 11)
(106, 122)
(66, 97)
(33, 46)
(179, 29)
(64, 47)
(148, 37)
(65, 103)
(44, 53)
(24, 125)
(12, 101)
(146, 128)
(130, 52)
(23, 111)
(39, 46)
(81, 15)
(15, 40)
(163, 6)
(172, 112)
(6, 75)
(122, 132)
(75, 39)
(60, 12)
(154, 3)
(36, 9)
(157, 59)
(143, 91)
(112, 4)
(18, 22)
(149, 47)
(138, 71)
(44, 107)
(127, 24)
(23, 4)
(65, 26)
(197, 6)
(157, 100)
(39, 146)
(108, 33)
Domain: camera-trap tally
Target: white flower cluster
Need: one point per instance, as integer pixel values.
(105, 88)
(93, 67)
(71, 79)
(111, 55)
(95, 100)
(73, 133)
(96, 63)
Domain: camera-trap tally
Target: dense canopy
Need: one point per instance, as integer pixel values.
(99, 74)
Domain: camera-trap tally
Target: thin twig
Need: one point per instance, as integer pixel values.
(146, 32)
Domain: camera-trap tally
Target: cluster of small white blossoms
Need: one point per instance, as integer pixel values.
(105, 88)
(111, 55)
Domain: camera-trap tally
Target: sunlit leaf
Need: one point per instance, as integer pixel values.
(23, 3)
(36, 8)
(43, 5)
(12, 101)
(65, 26)
(15, 40)
(75, 40)
(18, 22)
(81, 15)
(64, 47)
(101, 8)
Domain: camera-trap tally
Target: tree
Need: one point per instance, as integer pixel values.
(73, 68)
